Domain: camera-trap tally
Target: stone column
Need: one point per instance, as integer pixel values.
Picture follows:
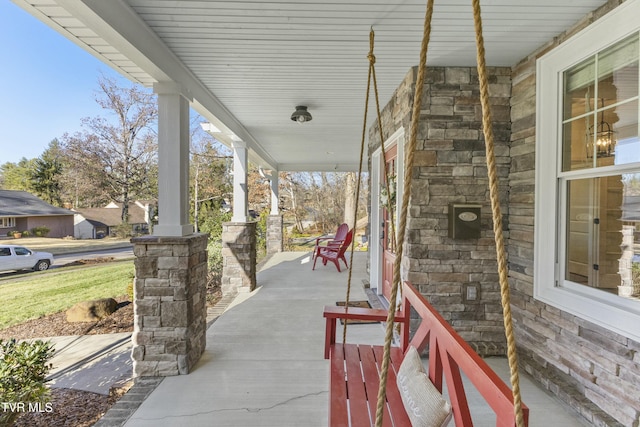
(274, 234)
(239, 257)
(170, 304)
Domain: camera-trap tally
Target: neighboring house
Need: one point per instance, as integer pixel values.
(22, 211)
(95, 223)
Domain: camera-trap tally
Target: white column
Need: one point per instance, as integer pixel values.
(240, 154)
(173, 160)
(274, 193)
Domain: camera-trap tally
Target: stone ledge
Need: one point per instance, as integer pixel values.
(124, 408)
(163, 240)
(565, 390)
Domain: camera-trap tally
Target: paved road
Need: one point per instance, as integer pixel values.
(64, 259)
(117, 253)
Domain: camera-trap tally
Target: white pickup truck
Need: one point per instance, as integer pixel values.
(20, 258)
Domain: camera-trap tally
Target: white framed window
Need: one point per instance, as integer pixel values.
(7, 222)
(587, 215)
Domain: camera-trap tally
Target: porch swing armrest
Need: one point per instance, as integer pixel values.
(333, 312)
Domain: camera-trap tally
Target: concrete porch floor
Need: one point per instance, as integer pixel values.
(264, 365)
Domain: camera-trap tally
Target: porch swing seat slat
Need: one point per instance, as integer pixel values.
(355, 368)
(355, 377)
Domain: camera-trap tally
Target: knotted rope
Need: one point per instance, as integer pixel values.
(413, 142)
(495, 209)
(370, 78)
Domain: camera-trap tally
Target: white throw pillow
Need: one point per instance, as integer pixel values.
(423, 402)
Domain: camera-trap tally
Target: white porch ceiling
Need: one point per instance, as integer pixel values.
(249, 63)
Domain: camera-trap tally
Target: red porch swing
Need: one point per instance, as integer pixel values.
(360, 372)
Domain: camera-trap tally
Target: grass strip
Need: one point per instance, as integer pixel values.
(52, 291)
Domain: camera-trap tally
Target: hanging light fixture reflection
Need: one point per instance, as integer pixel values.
(602, 136)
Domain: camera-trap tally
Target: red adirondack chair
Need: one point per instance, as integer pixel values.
(334, 253)
(336, 241)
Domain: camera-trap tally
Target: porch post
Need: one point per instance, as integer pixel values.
(274, 222)
(173, 160)
(240, 154)
(239, 236)
(273, 180)
(171, 265)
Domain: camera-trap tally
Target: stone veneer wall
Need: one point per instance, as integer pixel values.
(592, 369)
(275, 242)
(170, 311)
(239, 257)
(450, 167)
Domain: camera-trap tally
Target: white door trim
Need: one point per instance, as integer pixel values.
(375, 248)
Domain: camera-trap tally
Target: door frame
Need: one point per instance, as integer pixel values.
(377, 162)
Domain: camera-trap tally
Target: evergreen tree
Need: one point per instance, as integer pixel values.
(46, 174)
(17, 176)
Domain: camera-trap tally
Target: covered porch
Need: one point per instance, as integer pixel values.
(246, 66)
(264, 366)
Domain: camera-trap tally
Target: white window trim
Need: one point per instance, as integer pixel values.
(8, 222)
(609, 311)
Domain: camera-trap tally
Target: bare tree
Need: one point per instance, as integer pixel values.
(210, 163)
(119, 154)
(350, 199)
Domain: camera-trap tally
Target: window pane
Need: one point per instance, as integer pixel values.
(619, 62)
(627, 148)
(603, 229)
(599, 119)
(579, 88)
(574, 148)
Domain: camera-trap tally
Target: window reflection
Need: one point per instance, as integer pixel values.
(601, 108)
(603, 233)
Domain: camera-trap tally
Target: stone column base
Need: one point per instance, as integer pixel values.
(170, 304)
(239, 257)
(275, 242)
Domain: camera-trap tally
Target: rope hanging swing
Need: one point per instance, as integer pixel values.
(371, 79)
(494, 197)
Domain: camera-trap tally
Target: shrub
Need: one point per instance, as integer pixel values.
(130, 282)
(26, 233)
(123, 230)
(41, 231)
(261, 234)
(214, 249)
(23, 369)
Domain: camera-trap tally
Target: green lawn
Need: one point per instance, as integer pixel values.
(38, 294)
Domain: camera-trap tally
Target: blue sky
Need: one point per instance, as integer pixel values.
(47, 84)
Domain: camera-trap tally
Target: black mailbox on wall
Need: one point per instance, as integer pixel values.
(464, 221)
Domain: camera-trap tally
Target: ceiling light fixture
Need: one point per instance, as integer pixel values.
(301, 114)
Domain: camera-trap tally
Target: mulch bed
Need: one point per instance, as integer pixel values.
(74, 408)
